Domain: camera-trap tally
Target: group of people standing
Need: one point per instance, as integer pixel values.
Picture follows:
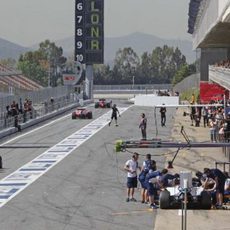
(17, 109)
(153, 181)
(216, 119)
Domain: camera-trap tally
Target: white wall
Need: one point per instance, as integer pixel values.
(152, 100)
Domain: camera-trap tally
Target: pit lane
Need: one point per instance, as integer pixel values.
(87, 189)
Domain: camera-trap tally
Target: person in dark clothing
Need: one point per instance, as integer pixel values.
(146, 167)
(151, 184)
(193, 115)
(8, 111)
(166, 179)
(14, 108)
(143, 126)
(15, 112)
(115, 111)
(219, 178)
(163, 115)
(227, 128)
(205, 116)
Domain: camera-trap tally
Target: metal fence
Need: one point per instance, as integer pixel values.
(43, 101)
(133, 87)
(39, 110)
(36, 97)
(62, 96)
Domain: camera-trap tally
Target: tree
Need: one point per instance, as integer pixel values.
(165, 62)
(178, 59)
(182, 73)
(30, 66)
(158, 67)
(193, 68)
(102, 74)
(44, 64)
(145, 71)
(125, 65)
(8, 62)
(53, 55)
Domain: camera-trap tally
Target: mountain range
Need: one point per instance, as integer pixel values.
(139, 42)
(11, 50)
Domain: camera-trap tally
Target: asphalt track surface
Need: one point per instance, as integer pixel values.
(87, 189)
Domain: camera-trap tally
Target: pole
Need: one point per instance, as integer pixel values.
(49, 74)
(182, 215)
(0, 162)
(185, 203)
(224, 106)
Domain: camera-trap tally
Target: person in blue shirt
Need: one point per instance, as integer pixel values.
(146, 167)
(152, 184)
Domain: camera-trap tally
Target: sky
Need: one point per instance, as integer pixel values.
(28, 22)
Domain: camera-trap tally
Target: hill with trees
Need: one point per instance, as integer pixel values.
(163, 65)
(11, 50)
(139, 42)
(135, 56)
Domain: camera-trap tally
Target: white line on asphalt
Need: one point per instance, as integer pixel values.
(34, 130)
(17, 181)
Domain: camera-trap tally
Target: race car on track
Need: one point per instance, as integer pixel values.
(82, 113)
(102, 103)
(173, 197)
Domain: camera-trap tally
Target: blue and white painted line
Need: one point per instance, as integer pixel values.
(17, 181)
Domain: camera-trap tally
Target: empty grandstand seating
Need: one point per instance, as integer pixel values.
(14, 78)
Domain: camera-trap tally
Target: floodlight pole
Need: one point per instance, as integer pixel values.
(224, 105)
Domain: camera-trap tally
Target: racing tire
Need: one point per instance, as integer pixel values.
(108, 105)
(164, 199)
(90, 116)
(96, 105)
(206, 200)
(73, 116)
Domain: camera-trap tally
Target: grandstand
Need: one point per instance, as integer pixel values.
(10, 77)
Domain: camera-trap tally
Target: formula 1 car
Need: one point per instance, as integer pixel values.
(173, 197)
(102, 103)
(82, 113)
